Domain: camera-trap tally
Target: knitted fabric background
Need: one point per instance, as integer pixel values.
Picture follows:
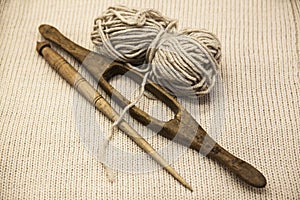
(42, 155)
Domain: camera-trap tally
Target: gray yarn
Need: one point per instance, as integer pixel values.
(184, 63)
(125, 34)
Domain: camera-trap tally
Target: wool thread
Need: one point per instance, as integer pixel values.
(185, 63)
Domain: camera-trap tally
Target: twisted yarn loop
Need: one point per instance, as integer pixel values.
(185, 63)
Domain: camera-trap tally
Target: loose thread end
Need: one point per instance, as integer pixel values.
(110, 173)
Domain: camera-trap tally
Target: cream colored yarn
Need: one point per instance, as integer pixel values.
(185, 63)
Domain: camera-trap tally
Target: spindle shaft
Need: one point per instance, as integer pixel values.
(74, 78)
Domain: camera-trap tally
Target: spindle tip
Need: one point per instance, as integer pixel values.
(40, 46)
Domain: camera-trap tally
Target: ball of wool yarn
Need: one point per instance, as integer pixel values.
(125, 34)
(184, 63)
(207, 39)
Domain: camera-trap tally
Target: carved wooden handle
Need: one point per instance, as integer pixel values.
(242, 169)
(185, 130)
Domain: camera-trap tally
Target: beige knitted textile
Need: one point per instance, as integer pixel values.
(42, 155)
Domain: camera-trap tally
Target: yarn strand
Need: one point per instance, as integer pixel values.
(185, 63)
(134, 102)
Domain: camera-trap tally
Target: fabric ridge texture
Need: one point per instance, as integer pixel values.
(43, 155)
